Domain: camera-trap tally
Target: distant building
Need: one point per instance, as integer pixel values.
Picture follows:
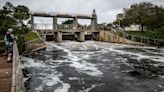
(133, 28)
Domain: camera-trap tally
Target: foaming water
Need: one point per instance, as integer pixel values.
(95, 67)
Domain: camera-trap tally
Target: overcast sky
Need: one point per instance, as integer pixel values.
(105, 9)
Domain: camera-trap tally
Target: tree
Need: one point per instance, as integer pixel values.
(68, 22)
(158, 17)
(11, 16)
(6, 18)
(21, 13)
(8, 9)
(145, 14)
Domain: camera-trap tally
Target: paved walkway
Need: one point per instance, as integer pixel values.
(5, 75)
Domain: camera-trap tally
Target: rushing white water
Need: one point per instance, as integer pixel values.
(95, 66)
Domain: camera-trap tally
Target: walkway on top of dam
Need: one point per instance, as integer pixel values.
(5, 75)
(11, 76)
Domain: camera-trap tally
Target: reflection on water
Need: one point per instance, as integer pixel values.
(94, 67)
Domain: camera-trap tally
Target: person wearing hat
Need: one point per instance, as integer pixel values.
(9, 41)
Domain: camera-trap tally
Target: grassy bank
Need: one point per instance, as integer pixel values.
(25, 38)
(155, 34)
(30, 36)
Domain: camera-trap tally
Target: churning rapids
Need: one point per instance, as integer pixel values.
(94, 67)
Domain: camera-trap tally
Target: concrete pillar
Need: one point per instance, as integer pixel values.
(82, 36)
(96, 36)
(92, 25)
(79, 36)
(32, 22)
(55, 25)
(76, 35)
(94, 21)
(58, 36)
(44, 38)
(75, 23)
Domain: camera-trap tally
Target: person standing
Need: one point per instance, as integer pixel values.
(9, 41)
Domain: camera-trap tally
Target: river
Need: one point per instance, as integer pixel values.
(93, 66)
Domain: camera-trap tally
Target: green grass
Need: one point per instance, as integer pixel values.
(155, 34)
(31, 36)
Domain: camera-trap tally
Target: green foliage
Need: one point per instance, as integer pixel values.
(8, 8)
(156, 34)
(20, 43)
(68, 22)
(19, 31)
(21, 12)
(109, 25)
(31, 36)
(13, 17)
(145, 14)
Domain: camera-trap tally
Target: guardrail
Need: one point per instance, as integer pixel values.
(17, 74)
(141, 39)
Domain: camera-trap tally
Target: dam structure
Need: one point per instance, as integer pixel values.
(60, 32)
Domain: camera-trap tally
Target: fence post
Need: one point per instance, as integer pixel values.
(141, 39)
(147, 40)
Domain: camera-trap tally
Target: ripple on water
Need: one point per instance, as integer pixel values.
(96, 67)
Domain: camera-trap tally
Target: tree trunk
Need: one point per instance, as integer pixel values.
(142, 28)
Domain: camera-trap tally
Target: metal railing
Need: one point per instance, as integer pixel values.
(17, 74)
(141, 39)
(63, 26)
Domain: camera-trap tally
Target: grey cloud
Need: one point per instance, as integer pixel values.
(106, 9)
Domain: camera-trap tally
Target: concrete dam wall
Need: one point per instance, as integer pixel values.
(114, 37)
(104, 36)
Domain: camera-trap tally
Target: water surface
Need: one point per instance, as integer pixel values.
(95, 67)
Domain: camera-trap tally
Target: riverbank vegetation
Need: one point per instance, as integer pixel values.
(31, 36)
(17, 18)
(146, 14)
(155, 34)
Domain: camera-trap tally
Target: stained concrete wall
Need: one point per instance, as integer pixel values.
(17, 74)
(34, 45)
(107, 36)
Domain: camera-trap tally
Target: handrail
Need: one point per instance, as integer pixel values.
(17, 74)
(32, 40)
(141, 39)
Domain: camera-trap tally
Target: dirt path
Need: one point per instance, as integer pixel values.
(5, 75)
